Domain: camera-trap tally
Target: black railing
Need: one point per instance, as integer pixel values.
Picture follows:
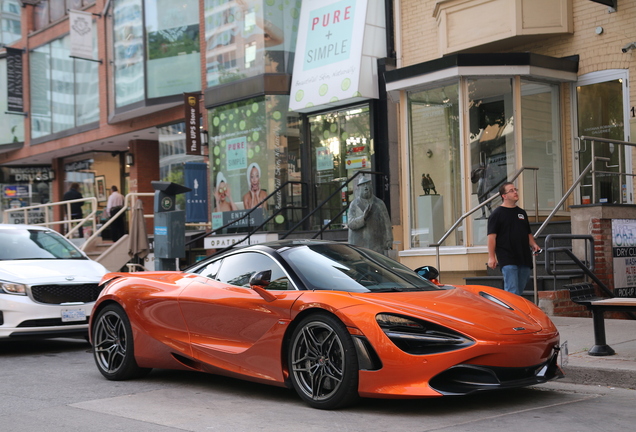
(251, 231)
(339, 190)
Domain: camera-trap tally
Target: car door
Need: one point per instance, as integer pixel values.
(233, 327)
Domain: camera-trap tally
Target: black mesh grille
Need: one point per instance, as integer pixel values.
(56, 294)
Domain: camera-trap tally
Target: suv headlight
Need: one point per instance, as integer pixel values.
(419, 337)
(13, 288)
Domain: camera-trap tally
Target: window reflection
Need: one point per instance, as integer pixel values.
(262, 33)
(435, 165)
(238, 269)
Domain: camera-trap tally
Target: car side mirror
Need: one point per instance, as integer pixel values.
(259, 281)
(261, 278)
(429, 273)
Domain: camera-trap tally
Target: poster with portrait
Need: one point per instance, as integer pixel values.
(100, 189)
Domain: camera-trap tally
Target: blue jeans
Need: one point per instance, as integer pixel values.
(515, 278)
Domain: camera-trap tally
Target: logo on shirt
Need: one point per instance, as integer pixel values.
(520, 216)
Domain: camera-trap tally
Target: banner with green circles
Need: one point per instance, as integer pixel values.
(248, 153)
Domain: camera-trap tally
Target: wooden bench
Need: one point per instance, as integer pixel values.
(584, 293)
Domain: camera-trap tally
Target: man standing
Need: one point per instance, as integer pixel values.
(510, 241)
(76, 207)
(369, 221)
(115, 203)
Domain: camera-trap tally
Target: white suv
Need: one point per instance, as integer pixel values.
(47, 285)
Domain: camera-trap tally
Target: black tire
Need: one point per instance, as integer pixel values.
(113, 348)
(323, 363)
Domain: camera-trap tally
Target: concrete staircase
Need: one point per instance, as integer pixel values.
(112, 256)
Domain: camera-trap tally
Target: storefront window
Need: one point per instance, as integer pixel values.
(247, 38)
(541, 133)
(64, 91)
(128, 51)
(341, 145)
(492, 145)
(24, 187)
(172, 38)
(435, 165)
(155, 32)
(490, 154)
(47, 12)
(254, 149)
(10, 16)
(62, 87)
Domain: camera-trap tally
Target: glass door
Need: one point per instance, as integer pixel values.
(601, 113)
(341, 145)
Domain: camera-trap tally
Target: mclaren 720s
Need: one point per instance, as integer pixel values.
(332, 321)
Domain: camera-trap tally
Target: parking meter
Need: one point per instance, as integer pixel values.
(169, 225)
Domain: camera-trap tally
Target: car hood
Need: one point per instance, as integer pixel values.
(457, 306)
(33, 272)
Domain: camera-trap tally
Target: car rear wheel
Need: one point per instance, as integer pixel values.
(323, 362)
(113, 345)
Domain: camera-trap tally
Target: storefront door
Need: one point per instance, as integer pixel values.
(341, 145)
(602, 113)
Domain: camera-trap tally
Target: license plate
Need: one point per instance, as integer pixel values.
(69, 315)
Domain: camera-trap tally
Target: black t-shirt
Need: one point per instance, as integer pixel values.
(512, 228)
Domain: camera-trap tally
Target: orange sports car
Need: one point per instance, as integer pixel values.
(333, 321)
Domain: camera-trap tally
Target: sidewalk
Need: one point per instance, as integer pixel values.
(618, 370)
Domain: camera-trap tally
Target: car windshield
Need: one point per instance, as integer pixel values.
(25, 244)
(343, 267)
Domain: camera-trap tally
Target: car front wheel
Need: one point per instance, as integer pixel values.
(323, 362)
(113, 345)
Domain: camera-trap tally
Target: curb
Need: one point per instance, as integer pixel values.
(600, 376)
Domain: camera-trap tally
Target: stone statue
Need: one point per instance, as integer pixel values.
(369, 221)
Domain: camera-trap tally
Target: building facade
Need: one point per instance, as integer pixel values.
(114, 111)
(490, 88)
(442, 99)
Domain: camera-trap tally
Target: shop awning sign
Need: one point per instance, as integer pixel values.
(330, 67)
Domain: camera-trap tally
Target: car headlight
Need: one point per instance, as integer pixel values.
(13, 288)
(419, 337)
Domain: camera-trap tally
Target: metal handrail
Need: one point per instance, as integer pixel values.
(68, 223)
(620, 162)
(322, 204)
(129, 197)
(547, 220)
(473, 210)
(252, 231)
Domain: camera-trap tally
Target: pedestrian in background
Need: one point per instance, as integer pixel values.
(76, 207)
(510, 241)
(114, 204)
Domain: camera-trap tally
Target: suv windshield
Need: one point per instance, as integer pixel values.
(24, 244)
(344, 267)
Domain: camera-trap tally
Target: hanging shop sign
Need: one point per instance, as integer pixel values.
(15, 96)
(193, 134)
(196, 178)
(330, 67)
(81, 32)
